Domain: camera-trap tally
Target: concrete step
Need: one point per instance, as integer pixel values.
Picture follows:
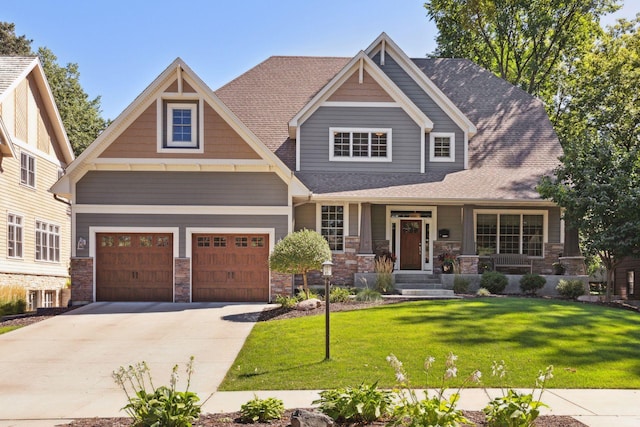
(429, 293)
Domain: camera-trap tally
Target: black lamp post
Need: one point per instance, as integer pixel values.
(326, 274)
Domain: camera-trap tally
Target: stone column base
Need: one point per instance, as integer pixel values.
(574, 265)
(366, 263)
(183, 280)
(468, 264)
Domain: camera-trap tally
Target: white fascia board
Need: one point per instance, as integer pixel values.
(378, 75)
(181, 210)
(424, 82)
(9, 150)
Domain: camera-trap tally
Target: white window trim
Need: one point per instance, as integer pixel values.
(16, 227)
(545, 224)
(345, 228)
(351, 158)
(29, 156)
(432, 146)
(165, 128)
(193, 108)
(47, 233)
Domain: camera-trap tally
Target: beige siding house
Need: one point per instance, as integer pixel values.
(35, 227)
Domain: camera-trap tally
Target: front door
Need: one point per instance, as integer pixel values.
(410, 244)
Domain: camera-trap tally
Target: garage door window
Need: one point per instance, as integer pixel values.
(257, 242)
(107, 241)
(146, 241)
(204, 242)
(242, 242)
(219, 242)
(163, 242)
(124, 241)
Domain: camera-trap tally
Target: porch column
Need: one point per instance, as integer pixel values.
(366, 246)
(468, 241)
(571, 242)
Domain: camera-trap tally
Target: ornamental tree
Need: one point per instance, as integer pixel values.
(299, 253)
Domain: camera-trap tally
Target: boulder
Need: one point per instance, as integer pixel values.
(302, 418)
(309, 304)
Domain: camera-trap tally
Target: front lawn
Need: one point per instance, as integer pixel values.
(5, 329)
(590, 346)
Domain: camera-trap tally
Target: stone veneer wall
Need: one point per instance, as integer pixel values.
(442, 246)
(281, 284)
(32, 281)
(81, 280)
(182, 280)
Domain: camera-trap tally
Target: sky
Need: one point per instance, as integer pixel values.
(122, 46)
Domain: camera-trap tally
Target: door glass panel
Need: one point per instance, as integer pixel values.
(427, 246)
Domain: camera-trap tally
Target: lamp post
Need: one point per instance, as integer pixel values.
(326, 274)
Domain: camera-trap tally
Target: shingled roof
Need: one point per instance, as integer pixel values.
(514, 146)
(12, 67)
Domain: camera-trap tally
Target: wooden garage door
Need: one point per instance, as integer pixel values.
(230, 267)
(134, 267)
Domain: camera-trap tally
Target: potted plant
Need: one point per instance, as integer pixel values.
(558, 268)
(448, 260)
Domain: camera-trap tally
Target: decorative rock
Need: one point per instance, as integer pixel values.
(308, 304)
(302, 418)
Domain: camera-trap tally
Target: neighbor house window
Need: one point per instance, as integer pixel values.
(332, 226)
(631, 279)
(27, 169)
(509, 233)
(14, 236)
(360, 144)
(47, 242)
(442, 147)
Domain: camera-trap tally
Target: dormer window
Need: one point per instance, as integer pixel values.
(181, 126)
(347, 144)
(442, 147)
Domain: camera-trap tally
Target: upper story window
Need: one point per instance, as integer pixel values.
(27, 169)
(14, 236)
(47, 242)
(442, 147)
(510, 233)
(180, 127)
(347, 144)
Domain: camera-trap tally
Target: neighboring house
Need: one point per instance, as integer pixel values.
(627, 279)
(35, 227)
(183, 197)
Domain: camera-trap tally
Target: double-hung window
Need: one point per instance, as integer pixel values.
(182, 129)
(27, 169)
(347, 144)
(14, 236)
(510, 233)
(47, 242)
(332, 225)
(442, 147)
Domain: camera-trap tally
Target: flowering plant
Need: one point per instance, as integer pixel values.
(447, 257)
(435, 409)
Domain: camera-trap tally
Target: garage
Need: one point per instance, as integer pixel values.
(134, 267)
(230, 267)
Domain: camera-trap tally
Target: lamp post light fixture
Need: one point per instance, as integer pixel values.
(326, 274)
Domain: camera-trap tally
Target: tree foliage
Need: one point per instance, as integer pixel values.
(598, 182)
(80, 115)
(522, 41)
(299, 253)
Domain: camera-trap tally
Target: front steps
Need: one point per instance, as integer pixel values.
(421, 286)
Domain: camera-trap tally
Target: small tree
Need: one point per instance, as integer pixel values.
(299, 253)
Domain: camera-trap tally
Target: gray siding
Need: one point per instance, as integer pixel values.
(305, 217)
(378, 222)
(450, 217)
(315, 139)
(84, 221)
(182, 188)
(441, 121)
(354, 229)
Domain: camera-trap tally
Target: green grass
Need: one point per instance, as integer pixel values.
(590, 346)
(5, 329)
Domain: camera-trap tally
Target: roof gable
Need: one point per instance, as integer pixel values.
(180, 78)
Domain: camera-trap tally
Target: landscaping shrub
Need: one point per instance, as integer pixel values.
(572, 288)
(460, 284)
(384, 280)
(261, 410)
(12, 300)
(494, 281)
(360, 405)
(286, 301)
(368, 295)
(531, 283)
(162, 406)
(339, 294)
(483, 292)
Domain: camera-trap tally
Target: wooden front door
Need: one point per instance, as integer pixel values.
(230, 267)
(410, 239)
(134, 267)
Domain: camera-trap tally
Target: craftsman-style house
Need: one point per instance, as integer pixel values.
(183, 197)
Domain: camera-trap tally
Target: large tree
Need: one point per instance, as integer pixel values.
(598, 182)
(522, 41)
(80, 114)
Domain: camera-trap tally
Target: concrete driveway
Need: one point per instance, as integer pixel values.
(61, 368)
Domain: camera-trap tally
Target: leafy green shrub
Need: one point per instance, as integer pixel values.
(339, 294)
(572, 288)
(531, 283)
(310, 294)
(162, 406)
(494, 281)
(286, 301)
(261, 410)
(363, 404)
(368, 295)
(460, 284)
(483, 292)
